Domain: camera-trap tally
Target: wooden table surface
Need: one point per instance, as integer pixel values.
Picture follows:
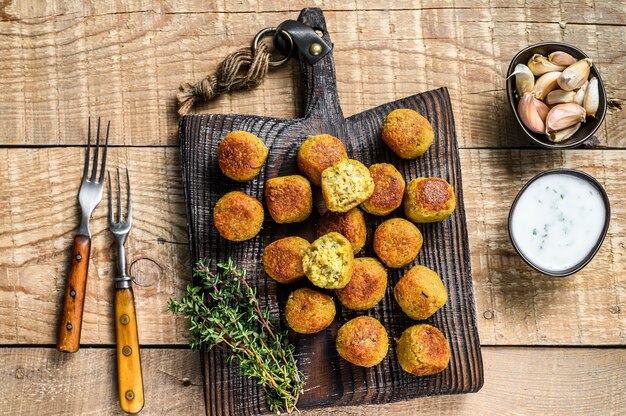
(550, 346)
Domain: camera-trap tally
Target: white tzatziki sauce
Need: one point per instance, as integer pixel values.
(557, 221)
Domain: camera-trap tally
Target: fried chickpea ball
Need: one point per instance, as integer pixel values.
(238, 216)
(289, 198)
(346, 184)
(328, 262)
(309, 311)
(397, 242)
(318, 153)
(282, 259)
(429, 200)
(366, 287)
(420, 293)
(407, 133)
(350, 224)
(388, 190)
(362, 341)
(422, 350)
(241, 155)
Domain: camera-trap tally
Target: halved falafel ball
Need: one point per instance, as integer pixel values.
(366, 287)
(318, 153)
(350, 224)
(329, 261)
(397, 242)
(423, 350)
(420, 293)
(309, 311)
(282, 259)
(407, 133)
(238, 216)
(241, 155)
(346, 184)
(289, 198)
(429, 200)
(362, 341)
(388, 190)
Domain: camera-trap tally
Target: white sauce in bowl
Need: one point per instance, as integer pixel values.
(557, 221)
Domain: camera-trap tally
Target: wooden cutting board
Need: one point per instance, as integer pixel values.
(331, 381)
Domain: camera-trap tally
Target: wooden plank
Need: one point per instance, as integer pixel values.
(63, 61)
(38, 215)
(45, 381)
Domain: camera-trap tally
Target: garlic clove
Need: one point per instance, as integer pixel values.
(592, 97)
(562, 58)
(541, 108)
(546, 83)
(529, 115)
(562, 135)
(575, 75)
(524, 79)
(580, 94)
(559, 96)
(562, 116)
(540, 65)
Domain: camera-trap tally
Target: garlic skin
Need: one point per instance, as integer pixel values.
(545, 84)
(524, 79)
(562, 58)
(540, 65)
(562, 135)
(592, 97)
(541, 108)
(562, 116)
(559, 97)
(528, 114)
(575, 75)
(580, 94)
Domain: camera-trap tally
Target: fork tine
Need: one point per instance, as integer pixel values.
(119, 196)
(129, 213)
(86, 168)
(104, 154)
(110, 200)
(95, 156)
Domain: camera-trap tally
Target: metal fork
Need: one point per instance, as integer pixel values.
(89, 196)
(129, 376)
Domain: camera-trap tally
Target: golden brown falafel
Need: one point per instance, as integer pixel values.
(318, 153)
(366, 287)
(282, 259)
(420, 293)
(238, 216)
(241, 155)
(362, 341)
(309, 311)
(397, 242)
(346, 184)
(289, 198)
(423, 350)
(350, 224)
(388, 190)
(407, 133)
(329, 261)
(429, 200)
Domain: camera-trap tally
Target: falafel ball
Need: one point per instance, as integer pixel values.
(238, 216)
(362, 341)
(318, 153)
(350, 224)
(429, 200)
(289, 198)
(282, 259)
(346, 184)
(388, 190)
(309, 311)
(397, 242)
(366, 287)
(407, 133)
(328, 262)
(423, 350)
(420, 293)
(241, 155)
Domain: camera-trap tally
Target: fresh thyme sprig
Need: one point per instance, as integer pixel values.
(234, 318)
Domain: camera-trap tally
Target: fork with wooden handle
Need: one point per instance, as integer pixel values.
(129, 377)
(89, 197)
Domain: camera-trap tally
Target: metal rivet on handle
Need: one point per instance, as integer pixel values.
(315, 49)
(126, 350)
(124, 319)
(129, 395)
(79, 257)
(68, 326)
(73, 293)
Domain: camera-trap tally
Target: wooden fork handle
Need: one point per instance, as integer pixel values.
(72, 316)
(129, 376)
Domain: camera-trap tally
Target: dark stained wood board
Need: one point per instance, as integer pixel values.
(332, 381)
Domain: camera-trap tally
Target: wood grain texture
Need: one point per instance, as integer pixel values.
(65, 60)
(44, 381)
